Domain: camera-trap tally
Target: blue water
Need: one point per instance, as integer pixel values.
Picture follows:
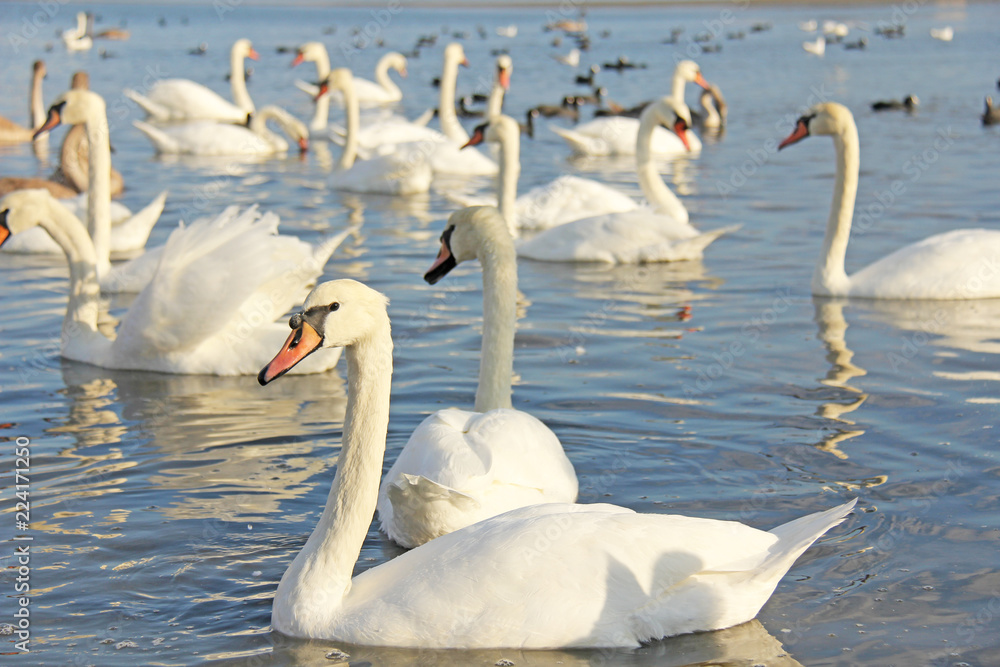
(165, 508)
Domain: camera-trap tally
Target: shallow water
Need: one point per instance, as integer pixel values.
(165, 508)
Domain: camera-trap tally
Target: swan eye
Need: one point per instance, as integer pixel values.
(334, 306)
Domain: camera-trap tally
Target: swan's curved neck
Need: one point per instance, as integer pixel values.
(69, 158)
(352, 113)
(652, 184)
(258, 125)
(712, 117)
(238, 82)
(382, 77)
(322, 113)
(36, 102)
(446, 104)
(84, 289)
(320, 576)
(677, 86)
(830, 278)
(99, 189)
(494, 103)
(496, 361)
(510, 172)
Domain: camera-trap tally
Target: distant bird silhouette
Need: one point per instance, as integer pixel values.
(909, 103)
(992, 114)
(588, 80)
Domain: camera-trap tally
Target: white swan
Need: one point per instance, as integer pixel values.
(183, 99)
(403, 171)
(658, 234)
(77, 39)
(87, 108)
(960, 264)
(315, 52)
(616, 135)
(210, 306)
(565, 199)
(370, 93)
(441, 150)
(545, 576)
(817, 48)
(462, 466)
(207, 137)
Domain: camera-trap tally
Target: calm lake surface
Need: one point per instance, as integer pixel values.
(164, 509)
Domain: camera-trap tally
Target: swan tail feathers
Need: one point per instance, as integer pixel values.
(323, 250)
(424, 507)
(139, 226)
(155, 111)
(796, 536)
(162, 141)
(424, 118)
(579, 142)
(684, 249)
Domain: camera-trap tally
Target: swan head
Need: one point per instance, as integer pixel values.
(673, 114)
(242, 48)
(397, 61)
(827, 118)
(689, 71)
(38, 67)
(73, 107)
(454, 54)
(470, 231)
(338, 313)
(498, 129)
(311, 52)
(339, 79)
(23, 209)
(505, 66)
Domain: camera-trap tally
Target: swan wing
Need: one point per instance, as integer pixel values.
(403, 171)
(569, 198)
(460, 467)
(559, 575)
(133, 232)
(183, 99)
(961, 264)
(207, 137)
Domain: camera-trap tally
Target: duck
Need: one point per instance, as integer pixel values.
(406, 170)
(588, 79)
(175, 324)
(955, 265)
(12, 132)
(207, 137)
(991, 115)
(86, 108)
(616, 135)
(461, 466)
(659, 233)
(563, 200)
(909, 103)
(569, 108)
(183, 99)
(500, 582)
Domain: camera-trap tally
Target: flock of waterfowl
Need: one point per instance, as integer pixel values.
(472, 490)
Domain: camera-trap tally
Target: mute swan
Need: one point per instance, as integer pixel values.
(176, 325)
(961, 264)
(404, 171)
(461, 466)
(370, 93)
(658, 234)
(817, 48)
(565, 199)
(87, 108)
(183, 99)
(316, 53)
(207, 137)
(615, 135)
(605, 575)
(11, 132)
(454, 55)
(77, 39)
(501, 84)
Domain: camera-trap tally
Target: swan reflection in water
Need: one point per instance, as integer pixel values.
(739, 646)
(222, 448)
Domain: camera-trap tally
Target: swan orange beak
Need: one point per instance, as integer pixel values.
(800, 132)
(52, 121)
(300, 344)
(465, 62)
(680, 129)
(303, 145)
(299, 59)
(700, 80)
(253, 55)
(403, 73)
(504, 77)
(324, 88)
(444, 262)
(4, 231)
